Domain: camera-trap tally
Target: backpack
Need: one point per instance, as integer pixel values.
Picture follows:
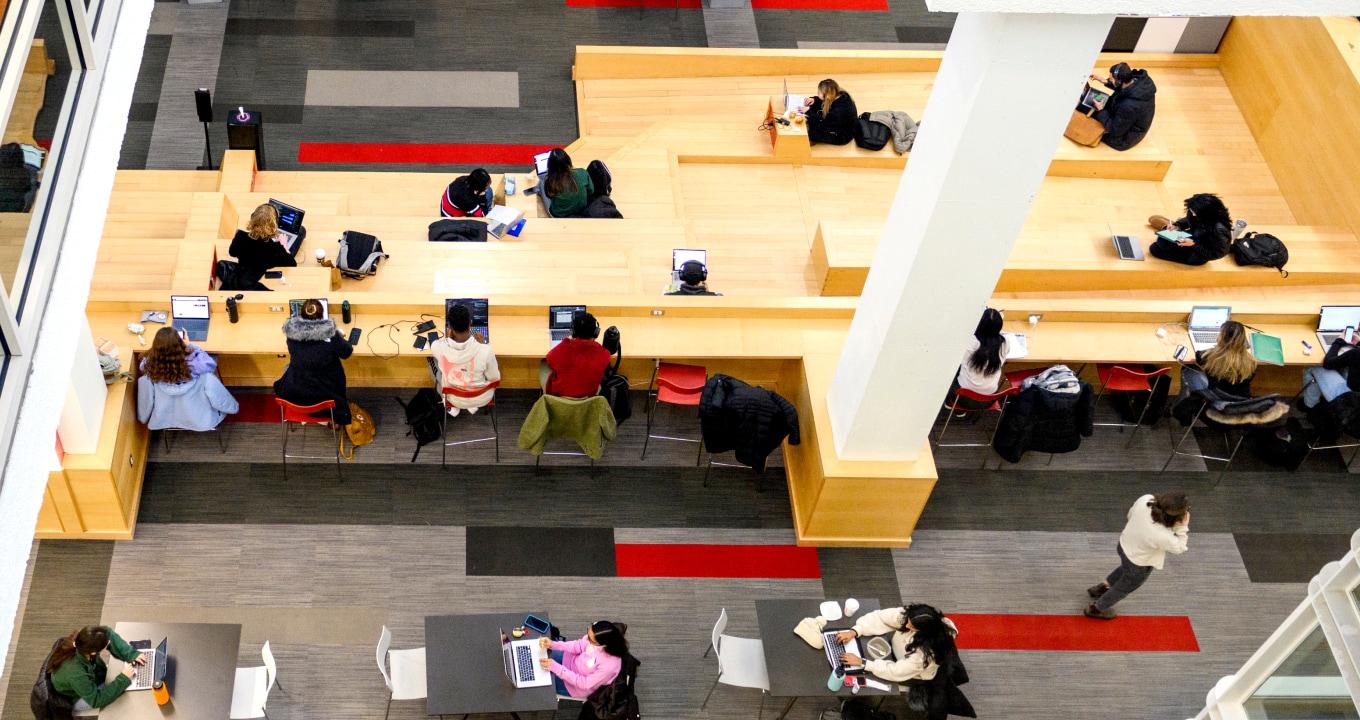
(45, 702)
(424, 417)
(600, 178)
(857, 709)
(458, 231)
(360, 429)
(359, 255)
(1261, 249)
(1282, 452)
(872, 135)
(617, 700)
(614, 388)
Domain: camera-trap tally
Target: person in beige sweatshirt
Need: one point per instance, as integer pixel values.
(1157, 525)
(922, 638)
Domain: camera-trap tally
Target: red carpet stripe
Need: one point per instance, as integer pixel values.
(255, 407)
(717, 561)
(429, 153)
(1131, 633)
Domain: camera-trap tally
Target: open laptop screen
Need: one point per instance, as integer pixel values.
(541, 163)
(1209, 318)
(1339, 317)
(295, 307)
(290, 218)
(189, 307)
(680, 256)
(478, 308)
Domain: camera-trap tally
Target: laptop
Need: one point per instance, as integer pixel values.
(521, 662)
(480, 310)
(1204, 325)
(290, 223)
(1127, 246)
(154, 669)
(295, 307)
(541, 163)
(1333, 321)
(190, 314)
(792, 102)
(834, 648)
(559, 322)
(680, 256)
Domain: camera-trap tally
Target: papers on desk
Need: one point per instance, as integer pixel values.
(1017, 345)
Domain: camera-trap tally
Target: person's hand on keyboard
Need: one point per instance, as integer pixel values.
(851, 660)
(846, 636)
(130, 670)
(141, 660)
(545, 643)
(546, 663)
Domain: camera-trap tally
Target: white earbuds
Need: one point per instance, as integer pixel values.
(1161, 332)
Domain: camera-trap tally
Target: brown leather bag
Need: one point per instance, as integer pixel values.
(1084, 130)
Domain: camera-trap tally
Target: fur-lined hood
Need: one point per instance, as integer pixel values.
(302, 330)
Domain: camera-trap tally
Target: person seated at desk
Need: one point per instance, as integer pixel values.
(78, 671)
(171, 395)
(980, 370)
(468, 196)
(1206, 220)
(260, 246)
(314, 372)
(568, 188)
(18, 180)
(922, 638)
(832, 117)
(575, 368)
(582, 666)
(465, 362)
(1127, 114)
(1337, 375)
(693, 276)
(172, 343)
(1229, 365)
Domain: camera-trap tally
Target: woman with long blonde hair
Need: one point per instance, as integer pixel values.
(832, 117)
(261, 246)
(1229, 365)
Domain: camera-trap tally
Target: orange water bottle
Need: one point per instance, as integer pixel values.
(161, 692)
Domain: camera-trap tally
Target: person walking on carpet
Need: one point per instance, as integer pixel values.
(1157, 525)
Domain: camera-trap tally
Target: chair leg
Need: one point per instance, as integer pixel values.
(761, 714)
(699, 455)
(708, 649)
(648, 438)
(709, 471)
(284, 425)
(222, 438)
(389, 708)
(339, 443)
(444, 438)
(496, 433)
(165, 439)
(710, 692)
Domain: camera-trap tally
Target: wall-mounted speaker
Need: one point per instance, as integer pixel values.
(203, 99)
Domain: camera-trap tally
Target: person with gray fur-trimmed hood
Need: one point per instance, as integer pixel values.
(314, 373)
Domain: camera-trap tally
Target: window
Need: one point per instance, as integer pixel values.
(1306, 686)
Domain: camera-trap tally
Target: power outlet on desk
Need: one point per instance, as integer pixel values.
(275, 308)
(658, 313)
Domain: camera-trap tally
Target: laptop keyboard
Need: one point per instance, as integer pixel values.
(524, 662)
(559, 335)
(143, 678)
(1204, 337)
(1125, 246)
(1328, 338)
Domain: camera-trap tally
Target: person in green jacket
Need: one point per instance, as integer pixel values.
(569, 188)
(78, 671)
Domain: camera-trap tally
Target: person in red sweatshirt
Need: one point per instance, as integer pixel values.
(576, 366)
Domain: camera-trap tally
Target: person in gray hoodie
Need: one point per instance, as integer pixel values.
(465, 361)
(169, 395)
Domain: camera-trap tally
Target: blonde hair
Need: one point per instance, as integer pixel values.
(829, 91)
(264, 223)
(1231, 358)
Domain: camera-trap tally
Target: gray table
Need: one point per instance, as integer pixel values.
(796, 669)
(200, 672)
(464, 672)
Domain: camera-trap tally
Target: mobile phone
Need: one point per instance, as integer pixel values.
(354, 336)
(537, 624)
(424, 327)
(1350, 334)
(1181, 352)
(431, 337)
(420, 342)
(273, 274)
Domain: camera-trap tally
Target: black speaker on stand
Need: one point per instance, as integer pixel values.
(203, 100)
(245, 131)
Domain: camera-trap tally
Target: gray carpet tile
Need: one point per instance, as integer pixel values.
(195, 52)
(163, 16)
(731, 27)
(698, 536)
(412, 88)
(320, 28)
(1289, 557)
(7, 667)
(860, 572)
(924, 34)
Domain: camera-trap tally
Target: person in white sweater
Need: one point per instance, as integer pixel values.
(922, 637)
(1157, 525)
(465, 362)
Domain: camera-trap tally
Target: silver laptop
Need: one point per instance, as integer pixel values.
(190, 314)
(680, 256)
(541, 163)
(791, 102)
(1127, 246)
(1333, 321)
(521, 662)
(559, 322)
(295, 307)
(290, 222)
(154, 669)
(1204, 325)
(834, 648)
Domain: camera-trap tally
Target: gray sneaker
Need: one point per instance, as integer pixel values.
(1238, 228)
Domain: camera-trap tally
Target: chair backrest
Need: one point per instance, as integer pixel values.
(271, 670)
(718, 629)
(289, 412)
(1121, 371)
(687, 379)
(384, 642)
(460, 392)
(984, 397)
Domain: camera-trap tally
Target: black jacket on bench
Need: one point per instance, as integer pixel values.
(839, 125)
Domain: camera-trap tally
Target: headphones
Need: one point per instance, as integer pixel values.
(690, 269)
(594, 333)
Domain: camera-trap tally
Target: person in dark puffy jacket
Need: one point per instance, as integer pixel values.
(1210, 227)
(832, 117)
(1127, 114)
(751, 420)
(314, 373)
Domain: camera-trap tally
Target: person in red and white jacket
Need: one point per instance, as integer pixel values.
(468, 196)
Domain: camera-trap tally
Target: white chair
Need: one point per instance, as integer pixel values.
(407, 678)
(741, 662)
(251, 691)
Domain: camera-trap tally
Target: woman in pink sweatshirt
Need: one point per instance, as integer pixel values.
(582, 666)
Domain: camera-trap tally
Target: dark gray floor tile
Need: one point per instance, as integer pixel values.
(1124, 34)
(924, 34)
(540, 551)
(321, 28)
(1289, 557)
(860, 572)
(142, 112)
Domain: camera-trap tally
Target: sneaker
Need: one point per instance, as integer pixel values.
(1158, 222)
(1096, 591)
(1238, 228)
(1094, 612)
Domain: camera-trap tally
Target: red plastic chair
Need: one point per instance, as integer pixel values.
(675, 385)
(1016, 378)
(1126, 379)
(290, 414)
(996, 403)
(490, 407)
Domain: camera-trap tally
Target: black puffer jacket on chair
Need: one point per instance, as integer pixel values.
(1045, 421)
(751, 420)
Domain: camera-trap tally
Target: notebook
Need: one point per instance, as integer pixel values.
(1267, 348)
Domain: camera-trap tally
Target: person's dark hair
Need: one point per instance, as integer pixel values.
(311, 310)
(1122, 74)
(932, 636)
(14, 175)
(987, 358)
(479, 180)
(166, 361)
(459, 319)
(692, 272)
(1169, 508)
(87, 641)
(560, 178)
(610, 636)
(1207, 210)
(585, 327)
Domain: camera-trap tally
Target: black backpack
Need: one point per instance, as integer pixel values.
(458, 231)
(600, 178)
(425, 416)
(359, 255)
(1261, 249)
(45, 702)
(872, 135)
(618, 699)
(614, 388)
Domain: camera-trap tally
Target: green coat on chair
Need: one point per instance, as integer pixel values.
(588, 421)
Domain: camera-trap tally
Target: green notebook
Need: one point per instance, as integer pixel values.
(1173, 235)
(1267, 349)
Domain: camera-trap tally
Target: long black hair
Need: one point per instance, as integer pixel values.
(560, 177)
(932, 637)
(1207, 210)
(987, 358)
(610, 636)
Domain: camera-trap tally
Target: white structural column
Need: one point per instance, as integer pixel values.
(1003, 96)
(86, 394)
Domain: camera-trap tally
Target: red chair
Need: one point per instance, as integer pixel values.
(290, 414)
(489, 407)
(675, 385)
(1126, 379)
(995, 402)
(1016, 378)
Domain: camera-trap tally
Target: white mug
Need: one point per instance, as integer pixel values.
(851, 606)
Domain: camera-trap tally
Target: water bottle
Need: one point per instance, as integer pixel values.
(344, 311)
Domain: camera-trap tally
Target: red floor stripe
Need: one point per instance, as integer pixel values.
(717, 561)
(1130, 633)
(255, 407)
(431, 153)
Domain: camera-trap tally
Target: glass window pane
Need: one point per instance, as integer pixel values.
(1307, 686)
